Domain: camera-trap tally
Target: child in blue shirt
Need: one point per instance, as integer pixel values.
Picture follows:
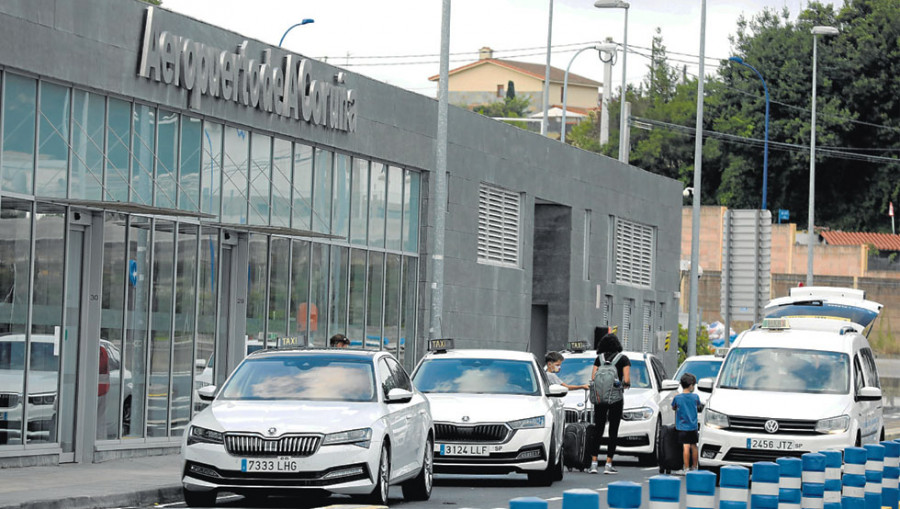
(687, 405)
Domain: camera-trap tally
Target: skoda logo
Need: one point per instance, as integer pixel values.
(272, 431)
(465, 418)
(772, 426)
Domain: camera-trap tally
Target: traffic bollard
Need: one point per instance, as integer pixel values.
(854, 480)
(832, 497)
(623, 495)
(874, 475)
(813, 487)
(701, 490)
(581, 499)
(764, 488)
(789, 483)
(734, 483)
(889, 488)
(527, 503)
(665, 492)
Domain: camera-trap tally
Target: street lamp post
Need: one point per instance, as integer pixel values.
(304, 22)
(765, 184)
(620, 4)
(598, 47)
(545, 119)
(693, 317)
(816, 31)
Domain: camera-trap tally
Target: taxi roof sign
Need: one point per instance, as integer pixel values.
(776, 323)
(440, 345)
(578, 346)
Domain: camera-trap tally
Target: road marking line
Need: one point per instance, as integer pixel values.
(650, 468)
(553, 499)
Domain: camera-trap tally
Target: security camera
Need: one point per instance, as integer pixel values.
(688, 192)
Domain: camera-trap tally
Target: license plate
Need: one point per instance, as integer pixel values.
(778, 445)
(279, 464)
(4, 416)
(463, 450)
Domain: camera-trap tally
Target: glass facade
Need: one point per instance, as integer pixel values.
(168, 283)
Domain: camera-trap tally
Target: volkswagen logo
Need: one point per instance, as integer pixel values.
(272, 431)
(772, 426)
(465, 418)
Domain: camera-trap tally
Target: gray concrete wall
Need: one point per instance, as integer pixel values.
(552, 247)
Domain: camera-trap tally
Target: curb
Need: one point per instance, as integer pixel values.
(163, 494)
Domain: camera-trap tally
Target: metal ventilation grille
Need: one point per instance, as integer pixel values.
(255, 445)
(634, 253)
(498, 226)
(646, 326)
(626, 323)
(607, 309)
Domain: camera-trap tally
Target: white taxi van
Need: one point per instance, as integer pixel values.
(494, 412)
(803, 382)
(339, 420)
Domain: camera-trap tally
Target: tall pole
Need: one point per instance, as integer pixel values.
(623, 154)
(562, 131)
(693, 319)
(604, 101)
(545, 121)
(765, 184)
(812, 176)
(440, 177)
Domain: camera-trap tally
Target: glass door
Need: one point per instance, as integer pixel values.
(70, 344)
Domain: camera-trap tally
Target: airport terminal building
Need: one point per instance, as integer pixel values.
(174, 195)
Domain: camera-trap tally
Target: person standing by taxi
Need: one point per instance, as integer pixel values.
(339, 341)
(609, 351)
(553, 361)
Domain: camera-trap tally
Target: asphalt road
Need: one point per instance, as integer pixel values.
(461, 492)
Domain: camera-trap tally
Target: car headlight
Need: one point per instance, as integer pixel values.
(531, 422)
(833, 425)
(358, 437)
(716, 419)
(198, 435)
(637, 414)
(42, 399)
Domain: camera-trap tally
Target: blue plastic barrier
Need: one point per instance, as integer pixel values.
(580, 499)
(764, 488)
(874, 475)
(789, 485)
(527, 503)
(832, 497)
(701, 490)
(889, 488)
(854, 489)
(813, 487)
(665, 492)
(623, 495)
(734, 483)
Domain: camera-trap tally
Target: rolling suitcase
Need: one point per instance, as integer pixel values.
(577, 445)
(669, 453)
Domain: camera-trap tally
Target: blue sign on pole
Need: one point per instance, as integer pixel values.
(784, 214)
(132, 272)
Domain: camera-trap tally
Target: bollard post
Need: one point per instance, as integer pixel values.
(889, 489)
(789, 494)
(527, 503)
(854, 480)
(623, 495)
(734, 485)
(874, 475)
(665, 492)
(813, 487)
(701, 490)
(764, 488)
(581, 499)
(832, 497)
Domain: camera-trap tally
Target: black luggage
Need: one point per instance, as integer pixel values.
(577, 445)
(669, 453)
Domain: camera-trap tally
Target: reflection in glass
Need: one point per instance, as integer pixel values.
(15, 261)
(299, 289)
(481, 376)
(260, 178)
(318, 295)
(281, 182)
(394, 208)
(377, 203)
(359, 202)
(256, 288)
(190, 175)
(166, 159)
(206, 312)
(279, 283)
(88, 119)
(374, 301)
(161, 328)
(53, 141)
(136, 307)
(142, 149)
(357, 308)
(115, 272)
(392, 280)
(118, 135)
(19, 105)
(67, 424)
(337, 314)
(303, 173)
(341, 212)
(408, 314)
(411, 212)
(321, 221)
(234, 176)
(183, 337)
(211, 174)
(312, 377)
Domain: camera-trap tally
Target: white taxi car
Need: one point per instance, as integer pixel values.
(343, 421)
(701, 366)
(494, 413)
(643, 414)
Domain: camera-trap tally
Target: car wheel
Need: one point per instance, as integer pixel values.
(544, 477)
(419, 488)
(649, 460)
(379, 495)
(560, 470)
(199, 498)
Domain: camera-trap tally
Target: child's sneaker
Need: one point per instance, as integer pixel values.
(609, 469)
(593, 469)
(679, 473)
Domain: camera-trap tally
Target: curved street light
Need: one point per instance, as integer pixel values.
(599, 47)
(765, 184)
(304, 22)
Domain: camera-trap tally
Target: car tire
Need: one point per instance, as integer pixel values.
(199, 498)
(547, 476)
(560, 471)
(419, 487)
(379, 495)
(649, 460)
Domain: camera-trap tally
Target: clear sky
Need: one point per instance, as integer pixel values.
(345, 31)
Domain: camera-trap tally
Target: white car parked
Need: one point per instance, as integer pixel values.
(643, 414)
(344, 421)
(494, 413)
(701, 366)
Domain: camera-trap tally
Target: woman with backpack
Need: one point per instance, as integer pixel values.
(609, 379)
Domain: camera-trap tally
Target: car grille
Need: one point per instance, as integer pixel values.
(475, 433)
(8, 400)
(753, 455)
(255, 445)
(573, 416)
(758, 425)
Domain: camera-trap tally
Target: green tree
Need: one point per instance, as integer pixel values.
(509, 107)
(703, 345)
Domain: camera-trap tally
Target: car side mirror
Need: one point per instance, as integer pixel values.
(557, 391)
(398, 395)
(207, 393)
(869, 394)
(200, 363)
(705, 384)
(670, 385)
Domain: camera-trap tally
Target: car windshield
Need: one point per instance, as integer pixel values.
(576, 371)
(640, 377)
(700, 369)
(302, 377)
(786, 370)
(477, 376)
(12, 356)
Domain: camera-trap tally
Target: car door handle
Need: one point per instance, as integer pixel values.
(408, 417)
